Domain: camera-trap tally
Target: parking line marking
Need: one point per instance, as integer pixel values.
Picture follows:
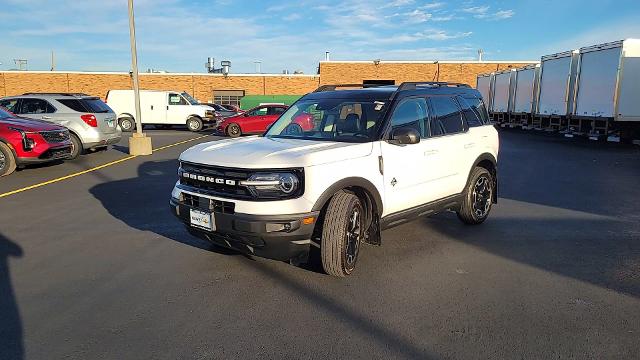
(66, 177)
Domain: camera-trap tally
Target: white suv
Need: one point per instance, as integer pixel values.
(375, 158)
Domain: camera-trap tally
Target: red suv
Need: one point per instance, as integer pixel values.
(26, 141)
(254, 121)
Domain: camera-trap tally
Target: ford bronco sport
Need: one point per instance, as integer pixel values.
(375, 158)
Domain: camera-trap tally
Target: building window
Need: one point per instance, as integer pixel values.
(228, 97)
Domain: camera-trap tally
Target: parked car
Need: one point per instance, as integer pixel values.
(221, 111)
(375, 158)
(28, 141)
(161, 108)
(254, 121)
(91, 123)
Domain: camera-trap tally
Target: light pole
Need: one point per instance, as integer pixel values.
(139, 144)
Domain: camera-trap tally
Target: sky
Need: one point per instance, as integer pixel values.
(178, 35)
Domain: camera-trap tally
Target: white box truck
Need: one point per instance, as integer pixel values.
(163, 108)
(484, 84)
(607, 97)
(501, 95)
(555, 92)
(524, 94)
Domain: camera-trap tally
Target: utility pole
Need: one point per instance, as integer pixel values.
(53, 61)
(139, 144)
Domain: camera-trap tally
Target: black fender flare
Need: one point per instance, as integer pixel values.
(488, 157)
(347, 183)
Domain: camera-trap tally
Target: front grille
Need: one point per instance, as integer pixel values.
(58, 153)
(203, 203)
(55, 136)
(216, 180)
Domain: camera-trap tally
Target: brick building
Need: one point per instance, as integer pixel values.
(252, 88)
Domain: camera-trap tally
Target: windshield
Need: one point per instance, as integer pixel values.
(345, 120)
(190, 99)
(5, 113)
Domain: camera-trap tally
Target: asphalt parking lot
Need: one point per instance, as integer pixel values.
(95, 266)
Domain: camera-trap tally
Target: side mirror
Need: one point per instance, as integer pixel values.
(405, 136)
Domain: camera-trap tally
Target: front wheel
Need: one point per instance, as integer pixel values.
(478, 197)
(342, 234)
(7, 161)
(234, 130)
(195, 124)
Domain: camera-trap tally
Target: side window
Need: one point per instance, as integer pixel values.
(470, 115)
(448, 118)
(275, 111)
(176, 99)
(413, 113)
(10, 104)
(258, 112)
(73, 104)
(36, 106)
(479, 108)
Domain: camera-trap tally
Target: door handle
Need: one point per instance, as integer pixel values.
(46, 117)
(469, 145)
(151, 107)
(430, 152)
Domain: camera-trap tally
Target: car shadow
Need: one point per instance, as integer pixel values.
(142, 203)
(11, 332)
(150, 190)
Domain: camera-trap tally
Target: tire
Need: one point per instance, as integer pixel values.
(478, 197)
(7, 160)
(342, 234)
(76, 147)
(234, 130)
(194, 124)
(127, 124)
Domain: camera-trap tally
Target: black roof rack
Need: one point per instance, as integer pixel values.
(412, 85)
(56, 93)
(335, 86)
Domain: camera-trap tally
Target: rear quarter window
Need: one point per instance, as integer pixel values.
(73, 104)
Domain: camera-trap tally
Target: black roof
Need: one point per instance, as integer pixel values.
(387, 92)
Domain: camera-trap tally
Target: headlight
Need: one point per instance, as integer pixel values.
(272, 185)
(27, 143)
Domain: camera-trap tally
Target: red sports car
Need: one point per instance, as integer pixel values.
(254, 121)
(27, 141)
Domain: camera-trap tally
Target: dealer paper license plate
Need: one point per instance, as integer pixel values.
(201, 219)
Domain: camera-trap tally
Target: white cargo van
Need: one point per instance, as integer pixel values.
(162, 108)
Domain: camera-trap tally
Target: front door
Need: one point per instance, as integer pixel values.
(177, 110)
(409, 169)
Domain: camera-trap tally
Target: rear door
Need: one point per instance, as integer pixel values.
(450, 145)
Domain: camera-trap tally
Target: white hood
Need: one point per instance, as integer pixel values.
(261, 152)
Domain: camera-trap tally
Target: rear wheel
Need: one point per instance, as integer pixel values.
(127, 124)
(7, 161)
(234, 130)
(195, 124)
(76, 147)
(342, 234)
(478, 197)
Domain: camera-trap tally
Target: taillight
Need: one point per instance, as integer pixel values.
(90, 120)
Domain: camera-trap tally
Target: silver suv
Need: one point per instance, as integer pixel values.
(91, 123)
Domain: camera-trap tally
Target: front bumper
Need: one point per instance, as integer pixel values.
(261, 235)
(51, 154)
